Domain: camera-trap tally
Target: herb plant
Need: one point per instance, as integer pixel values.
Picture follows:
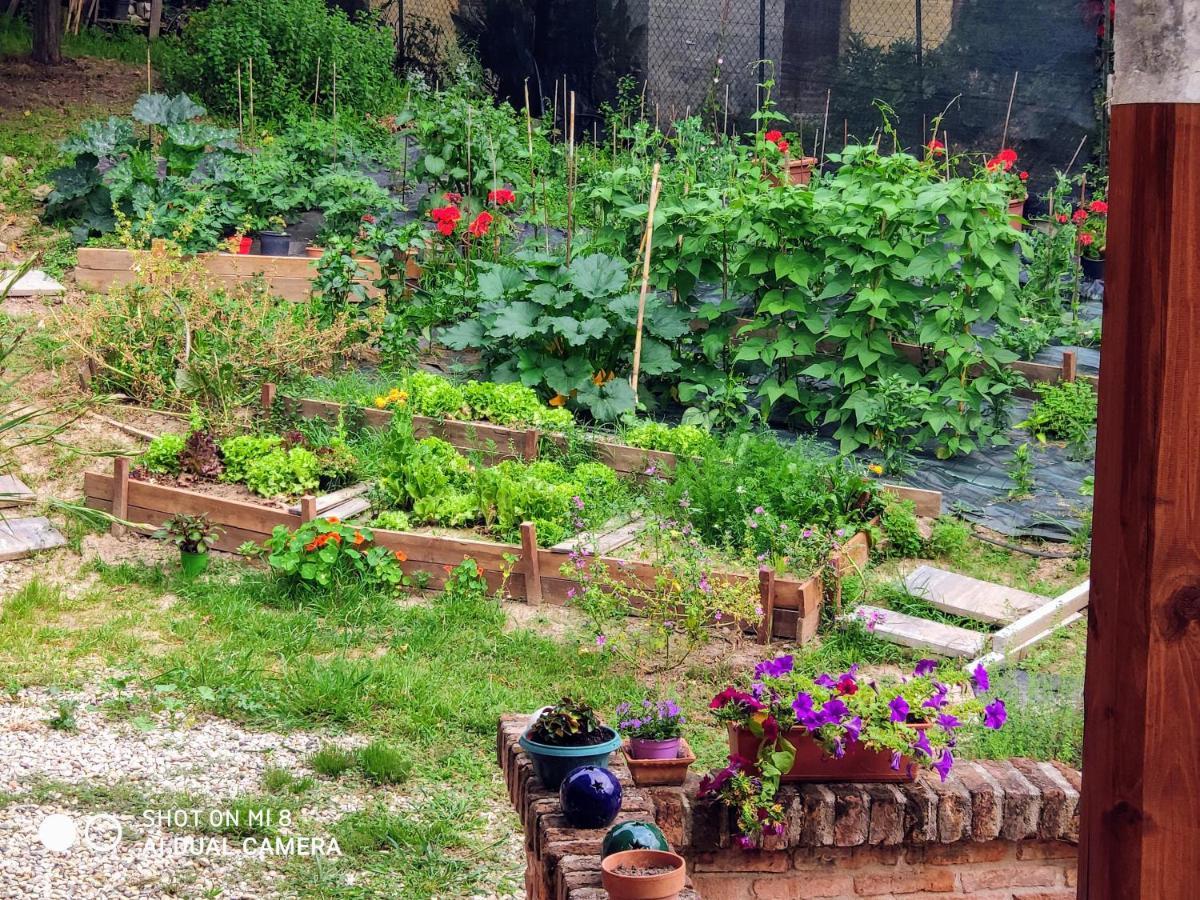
(191, 534)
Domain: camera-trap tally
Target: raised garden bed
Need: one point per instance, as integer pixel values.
(290, 277)
(527, 571)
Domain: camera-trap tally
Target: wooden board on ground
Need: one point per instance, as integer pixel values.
(612, 537)
(14, 491)
(923, 634)
(21, 537)
(35, 283)
(961, 595)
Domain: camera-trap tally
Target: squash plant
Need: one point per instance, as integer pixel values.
(568, 330)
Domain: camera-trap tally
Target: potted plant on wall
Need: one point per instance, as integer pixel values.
(275, 241)
(789, 727)
(194, 536)
(1091, 224)
(655, 750)
(564, 737)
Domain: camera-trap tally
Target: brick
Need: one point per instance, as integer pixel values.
(1071, 877)
(736, 860)
(1059, 894)
(1022, 801)
(1047, 850)
(808, 885)
(712, 886)
(909, 882)
(710, 824)
(920, 813)
(887, 815)
(851, 815)
(1055, 818)
(672, 814)
(963, 853)
(847, 857)
(1009, 876)
(814, 826)
(954, 809)
(987, 800)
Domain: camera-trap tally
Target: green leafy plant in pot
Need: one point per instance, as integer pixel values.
(275, 241)
(194, 536)
(564, 737)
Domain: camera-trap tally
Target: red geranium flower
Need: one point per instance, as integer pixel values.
(1063, 218)
(935, 147)
(1079, 216)
(480, 226)
(1099, 207)
(501, 196)
(1086, 239)
(1007, 155)
(774, 136)
(452, 197)
(1024, 176)
(782, 145)
(446, 218)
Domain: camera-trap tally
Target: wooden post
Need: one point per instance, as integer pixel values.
(267, 396)
(1140, 832)
(155, 18)
(1069, 366)
(641, 316)
(120, 496)
(530, 566)
(308, 508)
(766, 598)
(530, 449)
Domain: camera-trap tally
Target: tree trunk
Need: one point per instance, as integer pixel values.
(47, 32)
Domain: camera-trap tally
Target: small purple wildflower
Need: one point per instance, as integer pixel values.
(601, 640)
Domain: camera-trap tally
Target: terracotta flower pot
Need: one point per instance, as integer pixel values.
(647, 772)
(1016, 214)
(314, 252)
(800, 170)
(621, 875)
(812, 763)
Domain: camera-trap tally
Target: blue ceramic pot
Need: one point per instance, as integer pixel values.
(552, 763)
(590, 797)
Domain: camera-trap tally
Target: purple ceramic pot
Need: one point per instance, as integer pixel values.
(644, 748)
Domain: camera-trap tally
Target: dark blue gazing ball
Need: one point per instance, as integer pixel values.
(590, 797)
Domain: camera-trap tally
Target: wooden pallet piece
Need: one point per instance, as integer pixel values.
(13, 492)
(347, 509)
(20, 537)
(1042, 620)
(960, 595)
(923, 634)
(613, 536)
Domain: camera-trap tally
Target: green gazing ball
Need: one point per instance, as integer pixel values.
(633, 836)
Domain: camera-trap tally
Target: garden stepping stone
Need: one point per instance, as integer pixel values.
(971, 598)
(21, 537)
(14, 491)
(31, 284)
(923, 634)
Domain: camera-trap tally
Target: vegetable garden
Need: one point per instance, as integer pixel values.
(408, 354)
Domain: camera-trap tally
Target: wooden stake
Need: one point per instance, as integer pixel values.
(267, 396)
(317, 87)
(1075, 155)
(1069, 366)
(308, 508)
(530, 564)
(120, 498)
(825, 124)
(637, 336)
(766, 599)
(1008, 114)
(241, 123)
(570, 180)
(529, 131)
(251, 78)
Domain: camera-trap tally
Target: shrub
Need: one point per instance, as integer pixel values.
(284, 38)
(899, 521)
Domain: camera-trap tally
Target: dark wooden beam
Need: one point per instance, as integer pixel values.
(1140, 833)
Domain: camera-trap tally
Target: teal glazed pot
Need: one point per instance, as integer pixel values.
(552, 763)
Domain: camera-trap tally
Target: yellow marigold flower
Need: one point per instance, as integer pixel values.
(380, 402)
(877, 469)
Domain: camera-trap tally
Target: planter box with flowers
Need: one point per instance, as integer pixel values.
(788, 727)
(655, 749)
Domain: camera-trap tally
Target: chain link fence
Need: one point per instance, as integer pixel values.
(836, 65)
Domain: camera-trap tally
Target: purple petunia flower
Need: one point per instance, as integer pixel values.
(948, 722)
(839, 749)
(899, 708)
(853, 728)
(774, 668)
(921, 744)
(802, 706)
(833, 711)
(745, 841)
(945, 764)
(825, 681)
(995, 714)
(938, 698)
(924, 667)
(979, 677)
(896, 760)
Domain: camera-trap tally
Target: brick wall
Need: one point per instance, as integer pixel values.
(993, 831)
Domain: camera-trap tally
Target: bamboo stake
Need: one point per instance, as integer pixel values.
(317, 88)
(946, 141)
(570, 179)
(637, 335)
(825, 124)
(470, 168)
(251, 75)
(1075, 155)
(241, 123)
(529, 131)
(1011, 94)
(725, 123)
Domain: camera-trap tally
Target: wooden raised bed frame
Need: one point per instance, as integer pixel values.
(290, 277)
(791, 606)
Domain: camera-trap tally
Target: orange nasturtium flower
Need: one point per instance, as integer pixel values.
(401, 556)
(558, 400)
(359, 540)
(333, 520)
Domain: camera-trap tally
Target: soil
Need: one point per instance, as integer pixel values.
(76, 83)
(643, 871)
(219, 489)
(596, 737)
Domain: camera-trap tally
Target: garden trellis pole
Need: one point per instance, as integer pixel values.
(1008, 114)
(1139, 828)
(641, 316)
